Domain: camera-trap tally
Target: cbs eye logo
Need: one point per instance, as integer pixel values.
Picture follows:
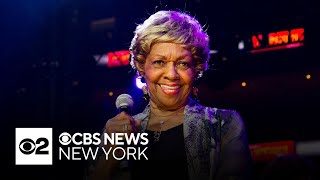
(65, 138)
(28, 146)
(33, 146)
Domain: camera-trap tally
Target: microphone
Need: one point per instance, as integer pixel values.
(124, 102)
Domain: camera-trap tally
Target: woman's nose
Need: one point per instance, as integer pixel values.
(171, 72)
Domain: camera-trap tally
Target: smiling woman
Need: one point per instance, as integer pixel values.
(169, 74)
(170, 50)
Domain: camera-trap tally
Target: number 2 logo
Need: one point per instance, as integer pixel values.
(28, 146)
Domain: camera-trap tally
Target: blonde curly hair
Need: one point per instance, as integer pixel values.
(174, 27)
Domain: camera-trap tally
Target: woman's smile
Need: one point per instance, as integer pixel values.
(170, 89)
(169, 74)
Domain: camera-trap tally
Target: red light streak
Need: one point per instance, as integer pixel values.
(287, 46)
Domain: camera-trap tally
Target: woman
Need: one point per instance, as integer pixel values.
(170, 50)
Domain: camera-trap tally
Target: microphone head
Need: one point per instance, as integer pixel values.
(124, 100)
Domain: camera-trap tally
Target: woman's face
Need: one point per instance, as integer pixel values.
(169, 74)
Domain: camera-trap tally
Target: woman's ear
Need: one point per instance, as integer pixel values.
(140, 68)
(140, 74)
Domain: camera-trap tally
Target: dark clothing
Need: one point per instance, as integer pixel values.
(212, 143)
(166, 157)
(215, 141)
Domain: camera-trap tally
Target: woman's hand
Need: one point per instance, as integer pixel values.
(121, 123)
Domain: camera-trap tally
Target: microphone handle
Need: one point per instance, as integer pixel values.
(125, 109)
(124, 164)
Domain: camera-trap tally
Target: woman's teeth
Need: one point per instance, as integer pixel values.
(170, 89)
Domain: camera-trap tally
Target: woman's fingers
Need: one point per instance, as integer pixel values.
(121, 123)
(135, 125)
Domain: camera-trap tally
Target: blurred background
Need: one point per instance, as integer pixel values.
(64, 62)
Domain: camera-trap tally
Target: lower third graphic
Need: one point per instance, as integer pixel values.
(33, 146)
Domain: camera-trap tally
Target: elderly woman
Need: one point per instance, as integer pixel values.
(170, 50)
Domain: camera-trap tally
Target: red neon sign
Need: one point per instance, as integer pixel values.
(118, 58)
(256, 41)
(297, 35)
(270, 150)
(278, 40)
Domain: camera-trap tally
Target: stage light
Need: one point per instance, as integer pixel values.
(241, 45)
(308, 76)
(213, 51)
(139, 84)
(243, 84)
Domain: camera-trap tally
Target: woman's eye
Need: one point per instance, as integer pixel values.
(184, 64)
(158, 63)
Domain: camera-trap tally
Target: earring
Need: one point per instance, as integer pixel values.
(195, 91)
(146, 96)
(144, 88)
(200, 74)
(141, 77)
